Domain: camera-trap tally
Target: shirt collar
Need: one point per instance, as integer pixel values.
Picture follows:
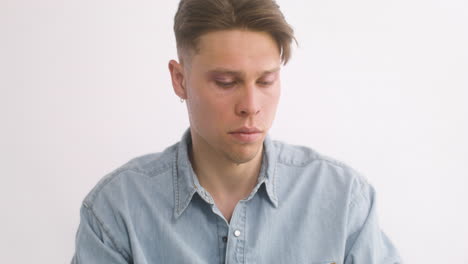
(186, 183)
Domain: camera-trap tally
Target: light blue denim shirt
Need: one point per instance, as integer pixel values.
(305, 208)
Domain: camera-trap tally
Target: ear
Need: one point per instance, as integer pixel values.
(178, 79)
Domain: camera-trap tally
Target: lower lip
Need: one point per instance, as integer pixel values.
(247, 137)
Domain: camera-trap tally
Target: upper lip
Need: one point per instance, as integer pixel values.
(247, 130)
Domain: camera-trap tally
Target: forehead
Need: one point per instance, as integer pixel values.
(237, 51)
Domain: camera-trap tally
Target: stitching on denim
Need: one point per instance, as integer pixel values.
(313, 156)
(275, 183)
(107, 231)
(114, 176)
(176, 181)
(220, 253)
(359, 192)
(104, 181)
(144, 174)
(154, 172)
(323, 159)
(298, 164)
(244, 235)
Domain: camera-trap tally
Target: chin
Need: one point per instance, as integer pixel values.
(244, 155)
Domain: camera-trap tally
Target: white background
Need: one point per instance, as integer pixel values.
(380, 85)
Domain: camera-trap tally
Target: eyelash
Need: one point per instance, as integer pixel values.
(225, 84)
(265, 83)
(230, 84)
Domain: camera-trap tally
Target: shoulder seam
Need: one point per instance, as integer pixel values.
(314, 156)
(106, 231)
(319, 158)
(114, 175)
(361, 182)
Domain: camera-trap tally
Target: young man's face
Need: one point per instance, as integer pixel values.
(232, 87)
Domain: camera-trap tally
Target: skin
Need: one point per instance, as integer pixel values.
(231, 85)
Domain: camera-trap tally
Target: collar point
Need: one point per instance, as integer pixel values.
(177, 213)
(274, 202)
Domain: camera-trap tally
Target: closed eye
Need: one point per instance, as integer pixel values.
(225, 84)
(264, 83)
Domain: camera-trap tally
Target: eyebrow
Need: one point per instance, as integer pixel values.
(221, 70)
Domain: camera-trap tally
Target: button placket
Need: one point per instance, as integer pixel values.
(236, 239)
(223, 232)
(239, 232)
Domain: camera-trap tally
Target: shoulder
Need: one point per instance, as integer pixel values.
(301, 156)
(314, 164)
(141, 168)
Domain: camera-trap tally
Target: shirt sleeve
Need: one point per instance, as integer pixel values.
(94, 243)
(366, 242)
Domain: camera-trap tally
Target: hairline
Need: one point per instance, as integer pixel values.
(191, 49)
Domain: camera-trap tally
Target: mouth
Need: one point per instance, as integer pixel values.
(247, 134)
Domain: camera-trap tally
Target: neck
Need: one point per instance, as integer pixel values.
(221, 177)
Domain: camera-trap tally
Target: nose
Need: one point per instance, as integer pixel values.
(248, 102)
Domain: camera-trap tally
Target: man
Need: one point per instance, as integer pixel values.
(227, 193)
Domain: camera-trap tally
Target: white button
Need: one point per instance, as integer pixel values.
(237, 233)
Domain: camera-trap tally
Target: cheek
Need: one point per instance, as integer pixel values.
(272, 100)
(207, 110)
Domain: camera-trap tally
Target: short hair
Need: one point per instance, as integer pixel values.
(197, 17)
